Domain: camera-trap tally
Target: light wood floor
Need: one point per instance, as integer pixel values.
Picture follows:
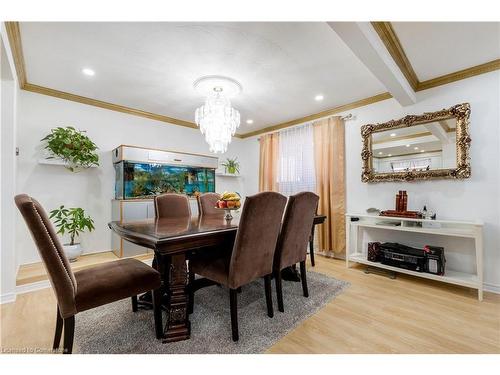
(374, 315)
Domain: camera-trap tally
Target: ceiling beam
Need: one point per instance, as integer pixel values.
(16, 47)
(366, 44)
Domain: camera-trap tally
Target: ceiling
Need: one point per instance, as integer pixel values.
(281, 66)
(152, 66)
(438, 48)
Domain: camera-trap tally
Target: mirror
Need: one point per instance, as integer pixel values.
(432, 145)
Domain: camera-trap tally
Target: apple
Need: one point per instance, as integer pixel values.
(231, 204)
(222, 204)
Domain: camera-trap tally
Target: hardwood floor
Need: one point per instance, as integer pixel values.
(374, 315)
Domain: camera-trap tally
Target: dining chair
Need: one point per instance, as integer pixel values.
(172, 205)
(252, 255)
(206, 204)
(88, 288)
(293, 239)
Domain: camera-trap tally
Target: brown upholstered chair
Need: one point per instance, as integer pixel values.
(89, 288)
(253, 252)
(293, 239)
(206, 204)
(172, 205)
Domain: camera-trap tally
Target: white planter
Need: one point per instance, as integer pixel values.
(73, 251)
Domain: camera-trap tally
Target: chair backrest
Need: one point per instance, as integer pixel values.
(206, 204)
(296, 230)
(172, 205)
(49, 247)
(256, 238)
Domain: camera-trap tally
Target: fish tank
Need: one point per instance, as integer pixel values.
(134, 180)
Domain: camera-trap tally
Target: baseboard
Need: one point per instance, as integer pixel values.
(7, 298)
(492, 288)
(26, 288)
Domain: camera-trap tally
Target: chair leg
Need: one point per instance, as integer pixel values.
(69, 334)
(304, 278)
(157, 313)
(59, 328)
(190, 292)
(279, 290)
(233, 300)
(134, 303)
(311, 247)
(239, 290)
(269, 297)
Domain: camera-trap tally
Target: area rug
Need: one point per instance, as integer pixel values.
(114, 328)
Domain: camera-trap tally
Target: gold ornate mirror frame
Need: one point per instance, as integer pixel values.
(460, 111)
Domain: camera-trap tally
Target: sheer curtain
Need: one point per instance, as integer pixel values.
(296, 170)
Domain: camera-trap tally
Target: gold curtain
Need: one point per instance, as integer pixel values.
(268, 164)
(329, 160)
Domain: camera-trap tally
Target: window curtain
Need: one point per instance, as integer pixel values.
(296, 171)
(268, 162)
(329, 158)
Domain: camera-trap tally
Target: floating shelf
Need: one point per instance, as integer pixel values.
(56, 161)
(220, 174)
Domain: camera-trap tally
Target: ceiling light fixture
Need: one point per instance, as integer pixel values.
(422, 150)
(217, 119)
(380, 153)
(407, 145)
(249, 121)
(389, 154)
(415, 148)
(88, 72)
(393, 134)
(319, 97)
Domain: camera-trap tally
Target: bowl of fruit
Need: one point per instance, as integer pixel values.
(228, 201)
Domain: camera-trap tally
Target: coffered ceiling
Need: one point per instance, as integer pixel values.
(148, 69)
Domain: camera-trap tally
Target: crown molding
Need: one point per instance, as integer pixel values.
(102, 104)
(396, 50)
(16, 47)
(393, 45)
(459, 75)
(328, 112)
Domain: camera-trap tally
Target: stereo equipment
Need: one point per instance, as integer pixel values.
(397, 255)
(430, 259)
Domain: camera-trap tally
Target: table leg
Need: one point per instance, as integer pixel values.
(178, 326)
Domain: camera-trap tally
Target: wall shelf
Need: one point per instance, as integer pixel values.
(57, 161)
(221, 174)
(356, 251)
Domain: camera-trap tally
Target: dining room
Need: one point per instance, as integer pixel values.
(284, 186)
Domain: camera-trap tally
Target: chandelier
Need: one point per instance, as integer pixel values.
(217, 119)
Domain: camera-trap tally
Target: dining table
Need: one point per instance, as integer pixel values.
(174, 240)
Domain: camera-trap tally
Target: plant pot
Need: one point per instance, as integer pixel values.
(73, 251)
(231, 170)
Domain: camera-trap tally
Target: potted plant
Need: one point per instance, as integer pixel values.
(73, 147)
(231, 166)
(72, 221)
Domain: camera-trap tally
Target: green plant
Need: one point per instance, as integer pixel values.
(232, 166)
(73, 147)
(72, 221)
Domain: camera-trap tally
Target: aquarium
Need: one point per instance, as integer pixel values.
(144, 180)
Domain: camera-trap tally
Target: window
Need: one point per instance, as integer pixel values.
(296, 160)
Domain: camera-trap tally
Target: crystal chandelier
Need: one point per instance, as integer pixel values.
(216, 119)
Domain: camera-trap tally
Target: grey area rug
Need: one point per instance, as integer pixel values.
(114, 328)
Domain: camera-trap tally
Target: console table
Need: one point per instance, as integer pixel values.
(357, 252)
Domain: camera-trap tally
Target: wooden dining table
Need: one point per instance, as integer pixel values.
(173, 241)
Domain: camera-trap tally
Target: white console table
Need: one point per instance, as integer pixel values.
(356, 252)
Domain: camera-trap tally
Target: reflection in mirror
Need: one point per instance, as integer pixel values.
(421, 147)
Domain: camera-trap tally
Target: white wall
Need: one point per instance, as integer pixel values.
(474, 198)
(8, 93)
(93, 189)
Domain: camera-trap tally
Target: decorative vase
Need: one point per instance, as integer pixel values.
(73, 251)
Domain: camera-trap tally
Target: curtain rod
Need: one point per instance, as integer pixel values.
(349, 116)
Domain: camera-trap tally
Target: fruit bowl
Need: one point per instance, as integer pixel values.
(228, 202)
